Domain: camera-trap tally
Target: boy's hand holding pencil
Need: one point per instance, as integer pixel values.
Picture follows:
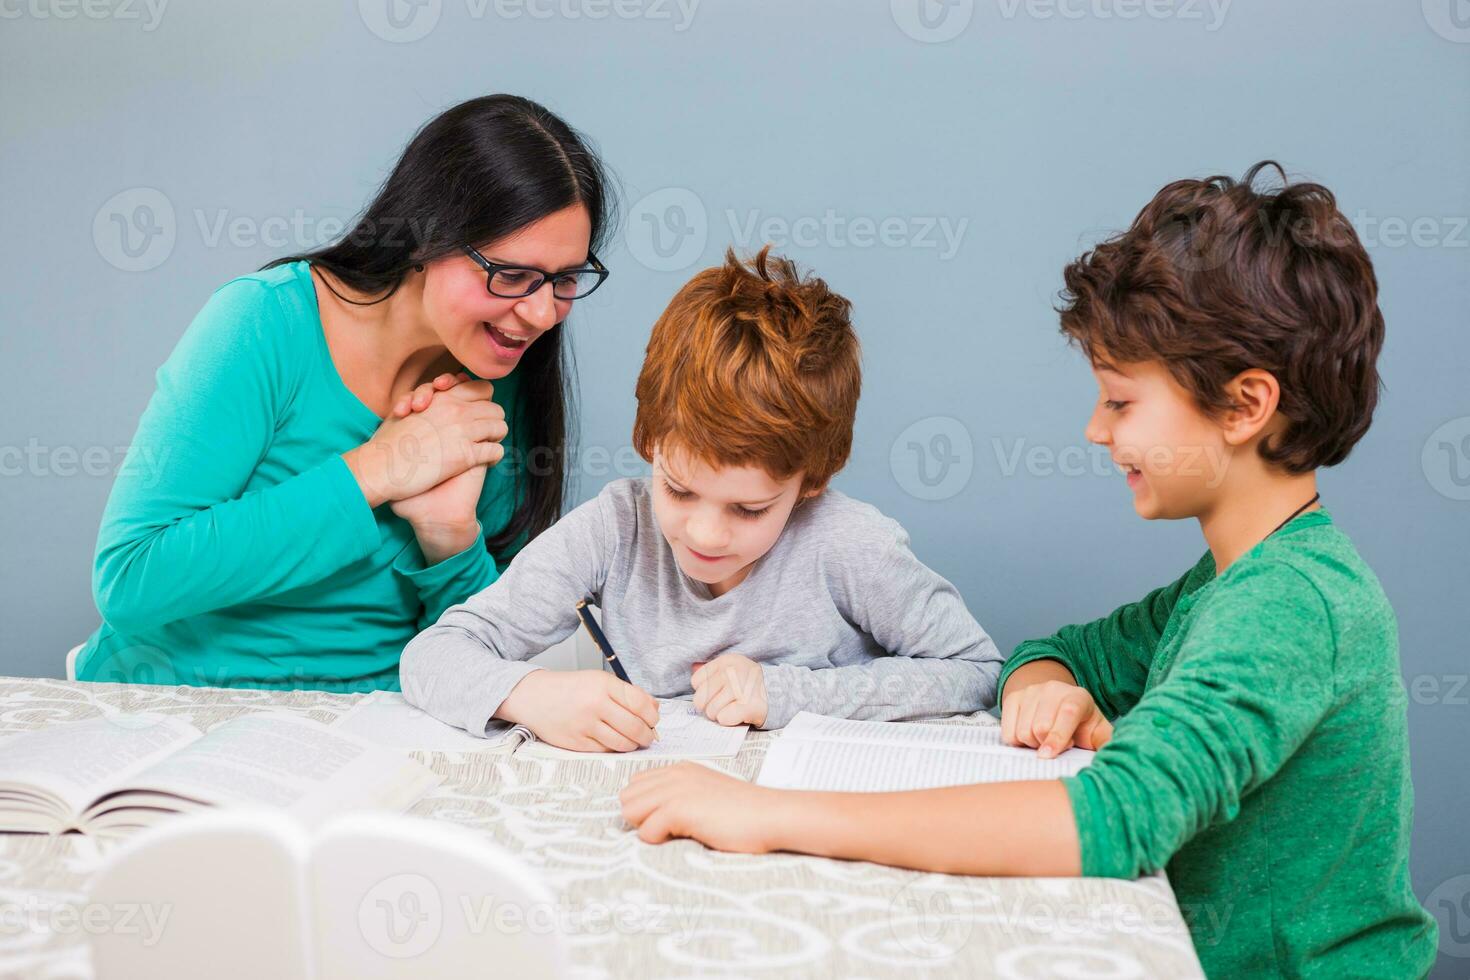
(583, 710)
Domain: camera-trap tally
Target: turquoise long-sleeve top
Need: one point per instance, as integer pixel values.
(236, 549)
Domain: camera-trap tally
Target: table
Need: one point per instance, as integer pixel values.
(635, 910)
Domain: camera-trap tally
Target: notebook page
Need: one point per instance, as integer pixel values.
(683, 733)
(821, 753)
(386, 718)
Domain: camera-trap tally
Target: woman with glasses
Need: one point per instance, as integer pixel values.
(278, 523)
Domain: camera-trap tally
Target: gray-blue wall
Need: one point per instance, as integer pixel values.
(938, 170)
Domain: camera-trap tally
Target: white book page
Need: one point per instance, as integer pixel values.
(386, 718)
(81, 760)
(820, 753)
(278, 760)
(683, 733)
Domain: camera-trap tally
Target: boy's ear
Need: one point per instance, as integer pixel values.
(1254, 395)
(813, 492)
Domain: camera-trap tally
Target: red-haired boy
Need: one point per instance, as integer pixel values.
(733, 572)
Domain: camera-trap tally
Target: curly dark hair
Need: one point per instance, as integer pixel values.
(1215, 277)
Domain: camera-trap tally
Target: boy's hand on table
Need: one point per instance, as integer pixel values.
(1051, 717)
(690, 800)
(582, 710)
(730, 690)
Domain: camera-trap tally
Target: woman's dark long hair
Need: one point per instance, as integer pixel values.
(474, 174)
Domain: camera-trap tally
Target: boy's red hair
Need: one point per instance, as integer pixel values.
(753, 365)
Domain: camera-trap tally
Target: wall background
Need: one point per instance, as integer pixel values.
(937, 164)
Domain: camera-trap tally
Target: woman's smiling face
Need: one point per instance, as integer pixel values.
(488, 334)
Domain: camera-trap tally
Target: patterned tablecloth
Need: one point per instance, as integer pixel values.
(634, 910)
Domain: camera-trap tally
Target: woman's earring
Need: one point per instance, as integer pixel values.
(418, 268)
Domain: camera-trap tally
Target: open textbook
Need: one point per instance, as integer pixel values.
(111, 775)
(820, 753)
(386, 718)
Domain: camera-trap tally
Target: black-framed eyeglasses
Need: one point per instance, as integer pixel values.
(515, 281)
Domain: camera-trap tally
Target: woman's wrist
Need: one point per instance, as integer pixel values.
(359, 463)
(439, 541)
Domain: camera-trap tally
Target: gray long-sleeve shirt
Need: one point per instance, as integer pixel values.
(840, 615)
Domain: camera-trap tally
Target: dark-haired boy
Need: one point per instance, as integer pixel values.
(1250, 715)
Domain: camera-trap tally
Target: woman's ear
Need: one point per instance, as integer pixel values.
(1254, 395)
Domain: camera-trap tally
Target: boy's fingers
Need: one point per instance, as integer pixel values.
(637, 806)
(1099, 732)
(697, 673)
(638, 701)
(656, 828)
(611, 733)
(713, 684)
(1043, 720)
(1055, 744)
(1023, 722)
(1056, 735)
(718, 703)
(1008, 711)
(733, 714)
(444, 381)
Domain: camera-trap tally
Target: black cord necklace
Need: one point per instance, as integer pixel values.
(333, 289)
(1294, 514)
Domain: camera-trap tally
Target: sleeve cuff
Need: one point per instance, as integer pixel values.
(450, 581)
(781, 702)
(1101, 840)
(352, 507)
(1025, 654)
(513, 673)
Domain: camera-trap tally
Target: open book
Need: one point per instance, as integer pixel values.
(386, 718)
(111, 775)
(820, 753)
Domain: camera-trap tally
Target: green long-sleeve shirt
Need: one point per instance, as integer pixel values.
(237, 549)
(1260, 752)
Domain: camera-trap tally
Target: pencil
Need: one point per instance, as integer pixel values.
(598, 637)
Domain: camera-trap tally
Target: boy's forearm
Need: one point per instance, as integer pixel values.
(1014, 828)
